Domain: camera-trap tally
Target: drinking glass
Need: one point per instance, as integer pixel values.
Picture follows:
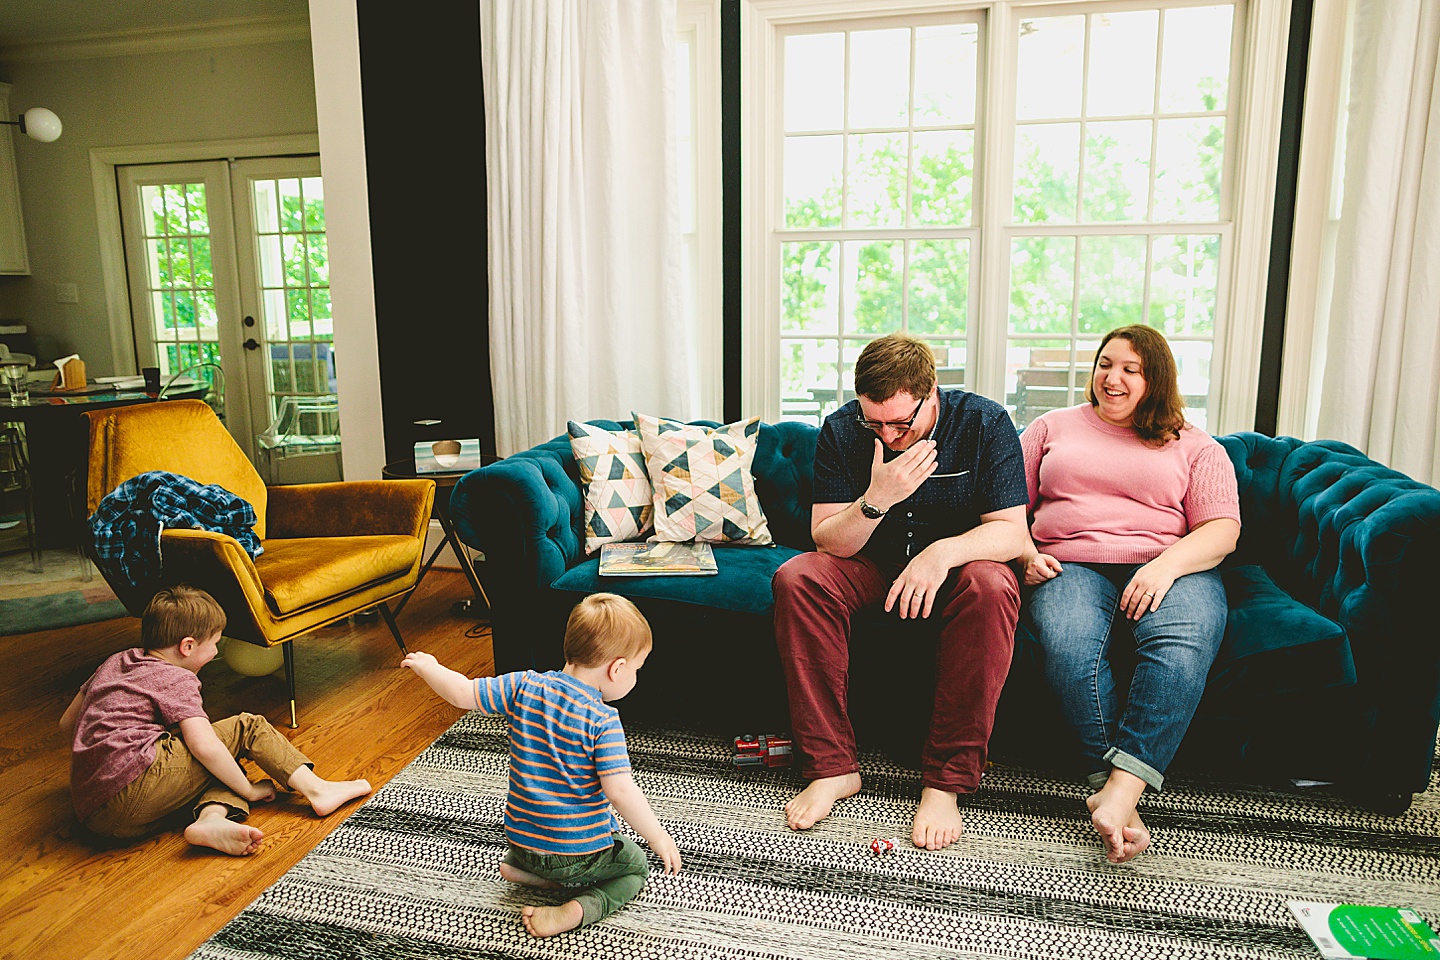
(16, 376)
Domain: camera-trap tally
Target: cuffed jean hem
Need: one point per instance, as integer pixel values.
(1123, 761)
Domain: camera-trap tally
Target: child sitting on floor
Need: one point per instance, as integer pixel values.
(568, 764)
(143, 747)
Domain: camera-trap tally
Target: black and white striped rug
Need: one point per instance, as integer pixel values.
(413, 872)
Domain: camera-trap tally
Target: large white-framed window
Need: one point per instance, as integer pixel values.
(1009, 180)
(698, 167)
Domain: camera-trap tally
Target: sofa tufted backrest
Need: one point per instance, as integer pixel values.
(1336, 529)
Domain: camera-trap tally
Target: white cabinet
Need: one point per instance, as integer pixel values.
(14, 259)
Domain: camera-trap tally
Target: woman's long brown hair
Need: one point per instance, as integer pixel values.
(1160, 414)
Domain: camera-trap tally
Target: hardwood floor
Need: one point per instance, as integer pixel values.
(360, 716)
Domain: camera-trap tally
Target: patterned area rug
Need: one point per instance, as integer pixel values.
(413, 872)
(57, 595)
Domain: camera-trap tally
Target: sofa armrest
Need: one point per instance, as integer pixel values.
(525, 514)
(356, 508)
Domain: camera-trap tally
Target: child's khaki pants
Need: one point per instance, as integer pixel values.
(176, 779)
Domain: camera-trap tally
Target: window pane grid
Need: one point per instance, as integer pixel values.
(1120, 206)
(1137, 250)
(877, 226)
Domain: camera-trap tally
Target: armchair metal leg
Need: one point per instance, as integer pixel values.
(390, 622)
(289, 649)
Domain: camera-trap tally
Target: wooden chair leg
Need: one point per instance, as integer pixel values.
(289, 649)
(395, 630)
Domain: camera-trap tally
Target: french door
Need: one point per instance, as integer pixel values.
(228, 265)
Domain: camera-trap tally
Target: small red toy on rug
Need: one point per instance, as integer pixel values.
(766, 750)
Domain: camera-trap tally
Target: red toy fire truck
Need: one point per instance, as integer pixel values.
(766, 750)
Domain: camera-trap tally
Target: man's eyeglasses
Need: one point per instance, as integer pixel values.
(878, 425)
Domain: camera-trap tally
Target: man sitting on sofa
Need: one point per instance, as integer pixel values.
(919, 504)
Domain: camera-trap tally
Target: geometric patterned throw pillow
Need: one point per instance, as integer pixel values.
(618, 498)
(704, 488)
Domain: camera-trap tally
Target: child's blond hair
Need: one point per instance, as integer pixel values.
(179, 612)
(604, 627)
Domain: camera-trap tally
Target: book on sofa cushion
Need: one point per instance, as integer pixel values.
(659, 558)
(619, 501)
(704, 489)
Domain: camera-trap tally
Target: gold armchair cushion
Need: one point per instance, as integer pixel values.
(304, 571)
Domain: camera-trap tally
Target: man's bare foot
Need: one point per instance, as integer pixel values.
(548, 921)
(1117, 821)
(813, 804)
(216, 831)
(937, 820)
(516, 875)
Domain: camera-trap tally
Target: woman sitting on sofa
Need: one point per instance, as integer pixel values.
(1131, 509)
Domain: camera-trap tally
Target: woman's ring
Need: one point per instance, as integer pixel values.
(1150, 593)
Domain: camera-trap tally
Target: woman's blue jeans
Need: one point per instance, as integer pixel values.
(1076, 618)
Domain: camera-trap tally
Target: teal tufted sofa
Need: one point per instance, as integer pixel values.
(1330, 668)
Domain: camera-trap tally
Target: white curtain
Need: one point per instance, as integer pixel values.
(1381, 383)
(584, 244)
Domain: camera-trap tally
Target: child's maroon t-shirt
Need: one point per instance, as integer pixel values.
(126, 708)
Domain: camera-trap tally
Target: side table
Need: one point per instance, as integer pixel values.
(479, 607)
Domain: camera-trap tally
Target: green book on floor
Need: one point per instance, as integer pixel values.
(1347, 930)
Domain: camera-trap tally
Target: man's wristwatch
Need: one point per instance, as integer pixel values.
(873, 513)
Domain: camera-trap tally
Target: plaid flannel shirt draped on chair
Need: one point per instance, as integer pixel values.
(125, 527)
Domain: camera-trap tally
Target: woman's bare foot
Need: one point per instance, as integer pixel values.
(813, 804)
(327, 796)
(548, 921)
(937, 820)
(516, 875)
(1114, 815)
(218, 832)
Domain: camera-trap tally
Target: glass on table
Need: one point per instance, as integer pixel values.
(17, 379)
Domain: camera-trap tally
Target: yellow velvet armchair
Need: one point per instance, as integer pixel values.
(330, 549)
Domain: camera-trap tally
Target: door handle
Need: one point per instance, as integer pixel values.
(252, 344)
(248, 321)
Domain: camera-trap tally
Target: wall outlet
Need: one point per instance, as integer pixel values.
(67, 293)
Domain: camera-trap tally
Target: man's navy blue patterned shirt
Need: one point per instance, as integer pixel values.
(979, 469)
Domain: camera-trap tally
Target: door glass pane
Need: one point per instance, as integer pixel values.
(183, 329)
(289, 214)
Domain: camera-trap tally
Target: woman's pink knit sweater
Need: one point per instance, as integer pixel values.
(1098, 494)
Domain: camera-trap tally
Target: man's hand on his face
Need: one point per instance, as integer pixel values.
(894, 481)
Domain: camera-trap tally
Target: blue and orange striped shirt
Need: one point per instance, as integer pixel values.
(563, 739)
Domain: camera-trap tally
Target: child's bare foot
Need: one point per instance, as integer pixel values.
(813, 804)
(937, 820)
(335, 793)
(516, 875)
(1117, 821)
(216, 831)
(548, 921)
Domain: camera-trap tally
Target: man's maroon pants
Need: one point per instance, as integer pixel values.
(815, 597)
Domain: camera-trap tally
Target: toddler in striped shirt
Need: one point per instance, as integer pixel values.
(568, 765)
